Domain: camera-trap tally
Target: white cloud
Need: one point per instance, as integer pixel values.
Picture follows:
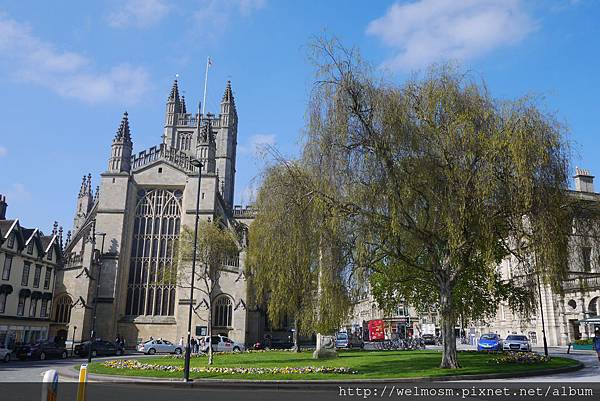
(248, 195)
(249, 6)
(18, 192)
(212, 16)
(257, 145)
(427, 31)
(69, 74)
(139, 13)
(3, 151)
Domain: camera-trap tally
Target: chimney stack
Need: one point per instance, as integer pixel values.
(584, 181)
(3, 206)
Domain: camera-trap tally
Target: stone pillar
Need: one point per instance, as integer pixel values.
(325, 347)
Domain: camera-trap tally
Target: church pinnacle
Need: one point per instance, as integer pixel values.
(228, 95)
(174, 95)
(123, 132)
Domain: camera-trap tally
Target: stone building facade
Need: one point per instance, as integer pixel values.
(29, 261)
(126, 230)
(564, 312)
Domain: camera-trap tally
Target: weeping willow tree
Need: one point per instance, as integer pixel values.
(295, 262)
(215, 246)
(440, 182)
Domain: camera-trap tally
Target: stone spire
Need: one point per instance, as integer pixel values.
(84, 202)
(55, 228)
(83, 187)
(228, 95)
(123, 132)
(122, 147)
(88, 188)
(174, 95)
(60, 237)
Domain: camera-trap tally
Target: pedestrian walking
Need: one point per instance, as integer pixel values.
(193, 345)
(597, 342)
(181, 342)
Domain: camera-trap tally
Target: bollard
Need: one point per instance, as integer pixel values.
(82, 382)
(50, 385)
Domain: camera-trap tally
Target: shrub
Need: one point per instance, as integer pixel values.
(520, 358)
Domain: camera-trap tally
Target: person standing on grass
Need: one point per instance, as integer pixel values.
(597, 342)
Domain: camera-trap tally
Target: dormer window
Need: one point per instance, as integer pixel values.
(11, 241)
(30, 247)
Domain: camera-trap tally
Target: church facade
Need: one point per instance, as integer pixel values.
(125, 233)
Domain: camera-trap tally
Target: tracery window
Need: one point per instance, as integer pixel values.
(64, 305)
(152, 281)
(223, 311)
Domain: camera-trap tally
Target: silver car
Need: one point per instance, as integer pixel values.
(152, 347)
(516, 343)
(223, 344)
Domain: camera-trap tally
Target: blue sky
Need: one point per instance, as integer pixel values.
(68, 70)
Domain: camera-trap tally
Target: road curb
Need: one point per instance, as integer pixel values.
(303, 384)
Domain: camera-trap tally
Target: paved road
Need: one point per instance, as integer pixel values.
(32, 371)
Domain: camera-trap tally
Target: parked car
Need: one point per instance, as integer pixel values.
(223, 344)
(4, 353)
(41, 350)
(429, 339)
(516, 343)
(348, 341)
(159, 346)
(489, 342)
(99, 347)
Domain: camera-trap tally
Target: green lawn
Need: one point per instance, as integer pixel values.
(367, 364)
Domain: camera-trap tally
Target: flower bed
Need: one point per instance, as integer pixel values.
(520, 358)
(137, 365)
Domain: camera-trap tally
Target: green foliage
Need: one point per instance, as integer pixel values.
(294, 261)
(440, 182)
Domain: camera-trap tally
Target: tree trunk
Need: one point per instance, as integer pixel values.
(209, 332)
(449, 358)
(296, 347)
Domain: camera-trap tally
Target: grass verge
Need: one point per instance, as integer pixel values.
(366, 364)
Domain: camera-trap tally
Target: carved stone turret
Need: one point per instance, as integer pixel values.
(120, 157)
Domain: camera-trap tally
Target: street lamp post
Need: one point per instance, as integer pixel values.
(186, 369)
(93, 329)
(542, 314)
(73, 340)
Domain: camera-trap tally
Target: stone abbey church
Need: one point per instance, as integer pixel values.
(126, 231)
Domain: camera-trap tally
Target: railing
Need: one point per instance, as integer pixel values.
(162, 152)
(187, 120)
(249, 211)
(580, 283)
(191, 120)
(74, 260)
(232, 262)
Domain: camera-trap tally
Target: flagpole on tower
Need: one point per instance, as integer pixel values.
(208, 64)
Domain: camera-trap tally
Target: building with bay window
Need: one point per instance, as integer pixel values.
(29, 261)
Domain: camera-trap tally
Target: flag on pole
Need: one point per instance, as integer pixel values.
(209, 63)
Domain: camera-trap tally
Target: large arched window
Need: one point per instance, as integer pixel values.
(62, 311)
(222, 311)
(151, 285)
